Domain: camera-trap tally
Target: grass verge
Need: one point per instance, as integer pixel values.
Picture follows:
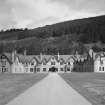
(11, 85)
(90, 85)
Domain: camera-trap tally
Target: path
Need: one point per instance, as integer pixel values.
(52, 90)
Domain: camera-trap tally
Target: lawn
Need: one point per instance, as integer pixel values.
(90, 85)
(11, 85)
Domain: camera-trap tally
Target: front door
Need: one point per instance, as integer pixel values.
(53, 69)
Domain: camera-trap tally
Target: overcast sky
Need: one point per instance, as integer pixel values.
(35, 13)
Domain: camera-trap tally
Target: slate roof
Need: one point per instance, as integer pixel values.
(43, 58)
(25, 59)
(28, 58)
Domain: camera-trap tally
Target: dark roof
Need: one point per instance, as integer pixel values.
(42, 58)
(53, 56)
(26, 59)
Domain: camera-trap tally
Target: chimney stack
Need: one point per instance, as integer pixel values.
(91, 53)
(13, 55)
(25, 52)
(58, 56)
(41, 56)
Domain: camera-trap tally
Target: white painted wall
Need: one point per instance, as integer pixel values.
(17, 67)
(98, 66)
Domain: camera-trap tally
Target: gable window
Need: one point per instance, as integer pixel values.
(52, 63)
(32, 63)
(26, 64)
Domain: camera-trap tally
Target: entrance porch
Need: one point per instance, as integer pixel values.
(53, 69)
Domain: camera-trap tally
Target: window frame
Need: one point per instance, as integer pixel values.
(44, 69)
(31, 70)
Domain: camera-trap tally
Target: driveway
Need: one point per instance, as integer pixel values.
(52, 90)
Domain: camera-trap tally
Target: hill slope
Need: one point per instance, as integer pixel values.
(51, 38)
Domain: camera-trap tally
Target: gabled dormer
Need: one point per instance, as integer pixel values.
(3, 60)
(70, 60)
(53, 61)
(44, 61)
(34, 62)
(61, 61)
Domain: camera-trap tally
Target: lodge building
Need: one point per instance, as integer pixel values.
(18, 63)
(23, 63)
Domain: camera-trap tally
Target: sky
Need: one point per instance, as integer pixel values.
(37, 13)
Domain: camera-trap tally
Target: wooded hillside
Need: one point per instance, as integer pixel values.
(61, 37)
